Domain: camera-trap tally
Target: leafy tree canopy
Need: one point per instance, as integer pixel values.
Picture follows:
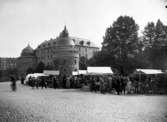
(155, 44)
(121, 44)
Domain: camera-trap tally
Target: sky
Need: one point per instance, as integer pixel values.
(24, 22)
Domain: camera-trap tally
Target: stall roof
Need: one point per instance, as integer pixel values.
(79, 72)
(74, 73)
(99, 70)
(37, 74)
(149, 71)
(51, 72)
(83, 72)
(34, 75)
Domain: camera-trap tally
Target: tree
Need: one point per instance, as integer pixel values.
(155, 40)
(101, 59)
(161, 35)
(40, 67)
(120, 43)
(149, 35)
(49, 67)
(30, 70)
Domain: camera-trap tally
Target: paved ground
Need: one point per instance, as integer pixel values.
(62, 105)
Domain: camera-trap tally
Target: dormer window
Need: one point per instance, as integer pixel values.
(81, 43)
(88, 43)
(74, 40)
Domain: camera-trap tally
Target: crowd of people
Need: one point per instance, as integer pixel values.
(115, 84)
(37, 82)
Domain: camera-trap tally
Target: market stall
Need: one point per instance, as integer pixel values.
(99, 71)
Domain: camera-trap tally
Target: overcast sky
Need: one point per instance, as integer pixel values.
(33, 21)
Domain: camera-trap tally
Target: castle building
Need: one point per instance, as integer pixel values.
(46, 51)
(61, 54)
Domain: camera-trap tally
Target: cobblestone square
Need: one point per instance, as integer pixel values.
(74, 105)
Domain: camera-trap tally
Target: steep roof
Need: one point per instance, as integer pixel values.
(27, 50)
(65, 39)
(83, 42)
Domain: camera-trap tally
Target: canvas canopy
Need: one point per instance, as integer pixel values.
(74, 73)
(51, 72)
(34, 75)
(39, 74)
(83, 72)
(149, 71)
(99, 70)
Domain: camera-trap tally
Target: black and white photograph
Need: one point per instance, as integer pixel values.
(83, 60)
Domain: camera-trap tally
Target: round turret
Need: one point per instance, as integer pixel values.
(26, 60)
(27, 51)
(66, 56)
(64, 39)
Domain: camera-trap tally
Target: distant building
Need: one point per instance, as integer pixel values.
(7, 63)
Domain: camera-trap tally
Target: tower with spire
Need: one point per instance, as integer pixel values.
(64, 33)
(66, 56)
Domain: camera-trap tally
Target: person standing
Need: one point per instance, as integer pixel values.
(55, 83)
(22, 80)
(68, 82)
(13, 83)
(64, 81)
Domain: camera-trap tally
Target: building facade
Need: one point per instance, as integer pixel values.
(61, 53)
(46, 51)
(67, 56)
(7, 63)
(26, 60)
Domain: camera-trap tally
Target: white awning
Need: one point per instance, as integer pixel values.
(74, 73)
(149, 71)
(34, 75)
(39, 74)
(83, 72)
(99, 70)
(51, 72)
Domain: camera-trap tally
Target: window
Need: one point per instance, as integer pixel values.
(75, 62)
